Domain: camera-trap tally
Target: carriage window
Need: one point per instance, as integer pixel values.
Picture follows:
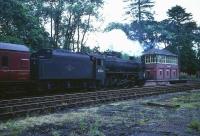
(4, 61)
(24, 63)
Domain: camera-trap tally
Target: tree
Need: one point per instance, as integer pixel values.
(148, 35)
(25, 21)
(143, 27)
(86, 49)
(140, 9)
(78, 22)
(71, 21)
(19, 25)
(178, 15)
(182, 31)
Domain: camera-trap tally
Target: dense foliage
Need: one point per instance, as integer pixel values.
(184, 34)
(24, 21)
(18, 24)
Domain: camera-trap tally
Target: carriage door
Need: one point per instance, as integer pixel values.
(4, 68)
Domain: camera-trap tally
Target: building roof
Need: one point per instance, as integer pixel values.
(14, 47)
(160, 52)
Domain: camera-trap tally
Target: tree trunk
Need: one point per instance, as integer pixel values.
(78, 39)
(85, 30)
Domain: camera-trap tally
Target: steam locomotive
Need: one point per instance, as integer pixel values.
(50, 69)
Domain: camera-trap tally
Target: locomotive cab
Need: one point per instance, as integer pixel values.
(98, 69)
(34, 62)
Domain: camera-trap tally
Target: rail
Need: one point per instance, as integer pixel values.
(48, 104)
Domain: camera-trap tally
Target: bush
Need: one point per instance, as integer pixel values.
(186, 76)
(195, 125)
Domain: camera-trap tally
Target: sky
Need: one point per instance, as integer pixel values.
(113, 11)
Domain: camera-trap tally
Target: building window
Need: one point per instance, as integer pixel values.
(160, 72)
(167, 73)
(148, 75)
(171, 60)
(146, 59)
(149, 59)
(161, 59)
(153, 58)
(4, 61)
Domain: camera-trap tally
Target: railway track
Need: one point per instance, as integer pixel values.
(41, 105)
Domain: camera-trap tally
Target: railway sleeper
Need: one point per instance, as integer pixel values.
(111, 97)
(89, 102)
(95, 97)
(51, 97)
(53, 102)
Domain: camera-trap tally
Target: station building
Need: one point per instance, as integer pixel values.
(160, 65)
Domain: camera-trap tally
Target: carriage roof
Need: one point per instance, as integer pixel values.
(14, 47)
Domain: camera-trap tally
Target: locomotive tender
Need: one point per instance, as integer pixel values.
(60, 68)
(63, 68)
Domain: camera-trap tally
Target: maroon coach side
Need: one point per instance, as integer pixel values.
(14, 62)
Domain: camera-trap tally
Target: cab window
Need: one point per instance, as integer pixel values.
(4, 61)
(99, 62)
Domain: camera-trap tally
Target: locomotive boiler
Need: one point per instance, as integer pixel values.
(121, 72)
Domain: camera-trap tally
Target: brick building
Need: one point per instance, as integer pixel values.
(160, 65)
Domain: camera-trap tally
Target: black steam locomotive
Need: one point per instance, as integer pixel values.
(63, 69)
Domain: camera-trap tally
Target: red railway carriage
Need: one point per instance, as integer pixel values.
(14, 62)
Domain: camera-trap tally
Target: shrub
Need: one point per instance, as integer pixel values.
(195, 125)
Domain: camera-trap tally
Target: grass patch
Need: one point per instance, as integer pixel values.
(194, 126)
(191, 100)
(94, 129)
(15, 127)
(55, 133)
